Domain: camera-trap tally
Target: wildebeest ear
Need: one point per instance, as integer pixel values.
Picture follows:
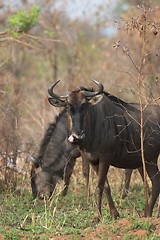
(56, 102)
(96, 99)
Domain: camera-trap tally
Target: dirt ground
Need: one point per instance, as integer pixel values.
(122, 230)
(120, 226)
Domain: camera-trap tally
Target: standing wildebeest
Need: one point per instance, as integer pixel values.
(108, 132)
(56, 159)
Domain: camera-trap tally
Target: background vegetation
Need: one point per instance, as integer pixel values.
(40, 44)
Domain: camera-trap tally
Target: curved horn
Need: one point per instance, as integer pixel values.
(52, 94)
(99, 91)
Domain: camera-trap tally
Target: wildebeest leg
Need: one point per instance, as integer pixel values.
(127, 179)
(154, 175)
(68, 170)
(140, 170)
(33, 183)
(102, 173)
(86, 170)
(101, 169)
(113, 211)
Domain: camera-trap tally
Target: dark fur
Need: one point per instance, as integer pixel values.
(113, 137)
(55, 160)
(117, 138)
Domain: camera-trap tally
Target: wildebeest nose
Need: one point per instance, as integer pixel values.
(74, 138)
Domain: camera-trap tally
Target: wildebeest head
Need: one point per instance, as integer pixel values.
(76, 102)
(42, 182)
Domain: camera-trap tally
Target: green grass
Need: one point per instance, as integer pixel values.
(67, 216)
(145, 225)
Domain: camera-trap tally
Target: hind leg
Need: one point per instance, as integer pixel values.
(154, 175)
(127, 179)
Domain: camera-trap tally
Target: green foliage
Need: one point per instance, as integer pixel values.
(49, 33)
(23, 21)
(11, 235)
(129, 237)
(146, 225)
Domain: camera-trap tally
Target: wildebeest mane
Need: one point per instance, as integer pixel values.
(46, 139)
(122, 104)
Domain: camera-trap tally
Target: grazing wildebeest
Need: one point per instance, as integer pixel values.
(108, 132)
(55, 160)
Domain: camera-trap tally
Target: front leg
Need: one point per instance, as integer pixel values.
(102, 173)
(86, 171)
(101, 169)
(113, 211)
(68, 170)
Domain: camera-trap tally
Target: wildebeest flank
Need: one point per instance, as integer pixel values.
(55, 160)
(108, 132)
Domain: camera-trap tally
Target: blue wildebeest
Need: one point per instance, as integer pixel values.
(55, 160)
(108, 132)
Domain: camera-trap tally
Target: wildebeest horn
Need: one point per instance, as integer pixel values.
(33, 159)
(92, 94)
(52, 94)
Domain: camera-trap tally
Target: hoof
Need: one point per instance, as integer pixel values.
(114, 215)
(96, 220)
(124, 195)
(64, 192)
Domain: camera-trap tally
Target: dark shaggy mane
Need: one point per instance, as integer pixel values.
(114, 99)
(59, 116)
(120, 102)
(47, 137)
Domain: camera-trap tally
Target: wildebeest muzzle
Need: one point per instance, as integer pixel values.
(76, 138)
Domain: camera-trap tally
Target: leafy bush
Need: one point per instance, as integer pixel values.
(23, 21)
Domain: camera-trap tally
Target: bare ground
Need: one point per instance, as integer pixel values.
(122, 229)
